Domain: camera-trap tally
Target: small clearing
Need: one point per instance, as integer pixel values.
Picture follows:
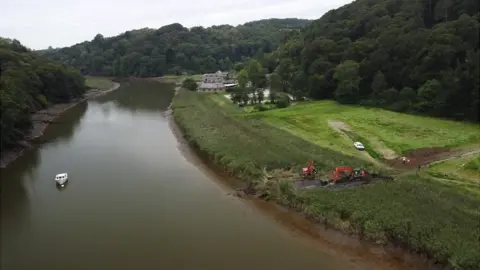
(341, 127)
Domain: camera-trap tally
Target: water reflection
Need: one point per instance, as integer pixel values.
(64, 126)
(62, 187)
(153, 97)
(17, 184)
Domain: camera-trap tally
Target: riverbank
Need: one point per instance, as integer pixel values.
(418, 215)
(41, 119)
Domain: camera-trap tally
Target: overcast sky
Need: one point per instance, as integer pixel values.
(58, 23)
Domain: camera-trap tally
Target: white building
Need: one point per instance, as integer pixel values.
(215, 81)
(217, 77)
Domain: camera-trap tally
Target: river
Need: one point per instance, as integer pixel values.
(136, 200)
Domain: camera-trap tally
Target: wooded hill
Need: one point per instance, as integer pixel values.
(174, 49)
(419, 56)
(29, 82)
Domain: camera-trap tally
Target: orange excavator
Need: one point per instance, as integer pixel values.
(346, 174)
(341, 174)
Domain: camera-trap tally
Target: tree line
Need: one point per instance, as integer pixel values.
(29, 83)
(175, 49)
(415, 56)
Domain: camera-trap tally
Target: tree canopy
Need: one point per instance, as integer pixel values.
(28, 83)
(175, 49)
(417, 56)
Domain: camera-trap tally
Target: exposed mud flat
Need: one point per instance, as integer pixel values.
(41, 119)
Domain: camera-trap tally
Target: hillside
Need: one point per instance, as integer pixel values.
(386, 135)
(437, 218)
(174, 49)
(29, 83)
(411, 56)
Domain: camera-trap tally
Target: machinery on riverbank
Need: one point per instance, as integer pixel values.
(341, 176)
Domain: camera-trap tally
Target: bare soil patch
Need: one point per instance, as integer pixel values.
(421, 157)
(339, 126)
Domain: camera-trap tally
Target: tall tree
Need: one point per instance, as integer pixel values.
(348, 82)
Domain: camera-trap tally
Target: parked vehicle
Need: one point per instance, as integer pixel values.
(359, 145)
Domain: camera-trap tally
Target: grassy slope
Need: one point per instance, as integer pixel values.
(463, 173)
(424, 215)
(462, 169)
(400, 132)
(98, 82)
(246, 147)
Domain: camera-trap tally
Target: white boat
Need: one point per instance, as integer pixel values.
(61, 178)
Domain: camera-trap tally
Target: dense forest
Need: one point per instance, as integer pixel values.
(416, 56)
(174, 49)
(28, 83)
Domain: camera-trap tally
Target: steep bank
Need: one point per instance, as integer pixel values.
(41, 119)
(438, 222)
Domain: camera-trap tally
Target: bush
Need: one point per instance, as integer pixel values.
(261, 108)
(190, 84)
(282, 100)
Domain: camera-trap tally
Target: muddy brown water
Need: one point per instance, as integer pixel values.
(137, 198)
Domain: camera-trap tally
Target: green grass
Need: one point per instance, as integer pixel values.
(224, 102)
(473, 165)
(399, 132)
(98, 83)
(465, 169)
(424, 215)
(428, 217)
(246, 146)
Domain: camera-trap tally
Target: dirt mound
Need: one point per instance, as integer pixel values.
(420, 157)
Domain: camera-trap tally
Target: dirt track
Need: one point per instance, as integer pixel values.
(340, 126)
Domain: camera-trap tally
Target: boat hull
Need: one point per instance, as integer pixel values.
(61, 181)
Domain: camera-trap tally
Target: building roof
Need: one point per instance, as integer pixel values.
(211, 85)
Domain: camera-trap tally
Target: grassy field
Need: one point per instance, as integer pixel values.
(98, 83)
(398, 132)
(246, 146)
(428, 217)
(462, 173)
(415, 211)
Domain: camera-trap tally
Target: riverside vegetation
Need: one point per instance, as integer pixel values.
(416, 212)
(411, 56)
(29, 83)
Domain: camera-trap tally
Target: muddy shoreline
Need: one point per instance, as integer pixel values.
(41, 119)
(388, 255)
